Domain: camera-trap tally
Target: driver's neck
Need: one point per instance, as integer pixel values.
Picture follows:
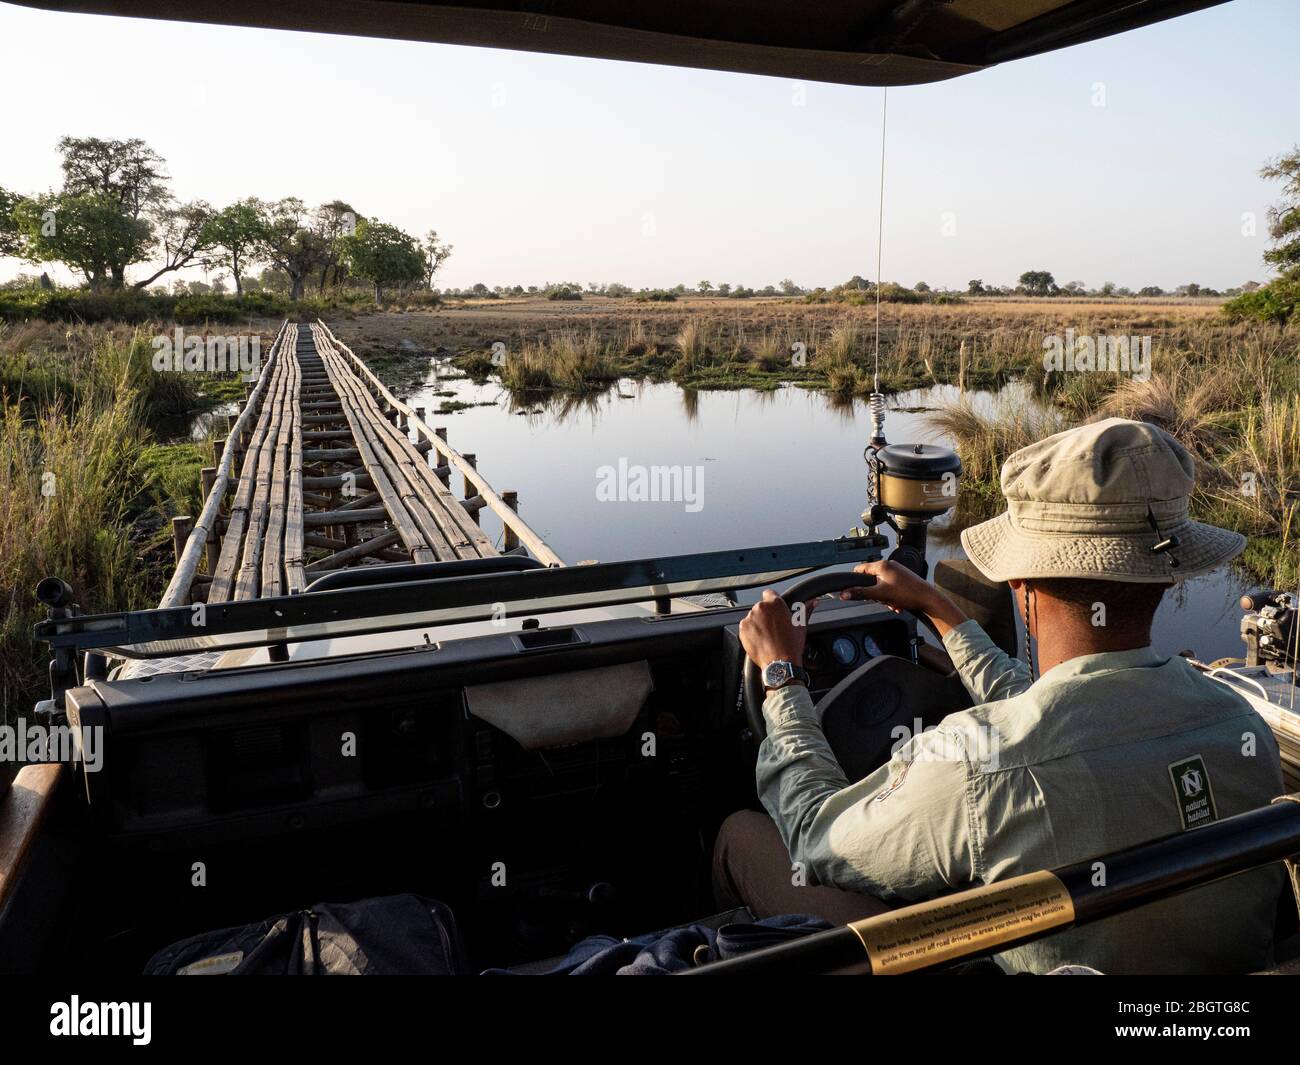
(1061, 637)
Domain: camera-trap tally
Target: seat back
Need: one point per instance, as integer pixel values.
(989, 603)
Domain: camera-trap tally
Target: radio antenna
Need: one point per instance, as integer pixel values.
(876, 402)
(880, 228)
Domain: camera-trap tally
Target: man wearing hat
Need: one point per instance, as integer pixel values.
(1110, 744)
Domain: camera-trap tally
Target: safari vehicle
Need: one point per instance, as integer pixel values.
(549, 750)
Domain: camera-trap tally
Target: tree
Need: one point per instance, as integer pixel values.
(975, 288)
(331, 223)
(1151, 290)
(1284, 217)
(1037, 282)
(129, 172)
(183, 237)
(88, 232)
(288, 243)
(435, 254)
(237, 233)
(383, 255)
(704, 287)
(11, 235)
(920, 286)
(126, 172)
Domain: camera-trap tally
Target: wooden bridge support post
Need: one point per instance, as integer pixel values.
(441, 434)
(212, 549)
(182, 526)
(470, 490)
(511, 539)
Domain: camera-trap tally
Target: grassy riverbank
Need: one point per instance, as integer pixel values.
(90, 475)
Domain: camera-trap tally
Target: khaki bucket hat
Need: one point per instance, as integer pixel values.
(1094, 502)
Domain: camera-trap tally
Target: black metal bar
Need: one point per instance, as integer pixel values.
(415, 604)
(363, 576)
(1134, 877)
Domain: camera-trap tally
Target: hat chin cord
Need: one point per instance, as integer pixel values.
(1029, 643)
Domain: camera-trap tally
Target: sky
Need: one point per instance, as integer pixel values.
(1134, 159)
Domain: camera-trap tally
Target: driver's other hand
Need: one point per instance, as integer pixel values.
(896, 586)
(768, 632)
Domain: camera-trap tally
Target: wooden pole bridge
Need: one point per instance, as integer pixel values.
(319, 472)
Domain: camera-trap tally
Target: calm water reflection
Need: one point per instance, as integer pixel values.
(776, 466)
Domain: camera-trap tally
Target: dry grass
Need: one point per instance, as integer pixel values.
(69, 478)
(567, 361)
(986, 438)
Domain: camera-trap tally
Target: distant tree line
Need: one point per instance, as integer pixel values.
(116, 210)
(856, 289)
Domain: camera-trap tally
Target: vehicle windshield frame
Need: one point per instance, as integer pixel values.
(199, 628)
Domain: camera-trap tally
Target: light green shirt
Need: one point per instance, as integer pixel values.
(1086, 760)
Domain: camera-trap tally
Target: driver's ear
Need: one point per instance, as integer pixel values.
(1015, 583)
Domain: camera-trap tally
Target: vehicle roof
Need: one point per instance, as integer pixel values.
(855, 42)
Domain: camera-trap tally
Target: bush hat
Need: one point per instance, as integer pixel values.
(1094, 502)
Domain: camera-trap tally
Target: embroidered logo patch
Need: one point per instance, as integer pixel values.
(1192, 792)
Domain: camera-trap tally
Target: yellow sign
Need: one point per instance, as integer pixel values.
(941, 930)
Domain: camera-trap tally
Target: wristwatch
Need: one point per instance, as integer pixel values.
(778, 674)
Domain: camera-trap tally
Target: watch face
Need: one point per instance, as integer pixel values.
(776, 673)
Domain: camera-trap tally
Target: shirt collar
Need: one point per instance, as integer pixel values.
(1105, 662)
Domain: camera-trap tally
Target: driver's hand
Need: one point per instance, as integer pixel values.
(900, 589)
(768, 633)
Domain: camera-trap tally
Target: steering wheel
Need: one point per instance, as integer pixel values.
(818, 584)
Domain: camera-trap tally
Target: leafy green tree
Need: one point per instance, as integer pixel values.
(128, 171)
(88, 232)
(11, 234)
(289, 244)
(1284, 218)
(383, 255)
(975, 288)
(1038, 283)
(237, 234)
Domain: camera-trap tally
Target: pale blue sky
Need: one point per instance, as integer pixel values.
(548, 168)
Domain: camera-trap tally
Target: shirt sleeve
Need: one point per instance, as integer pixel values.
(902, 833)
(987, 671)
